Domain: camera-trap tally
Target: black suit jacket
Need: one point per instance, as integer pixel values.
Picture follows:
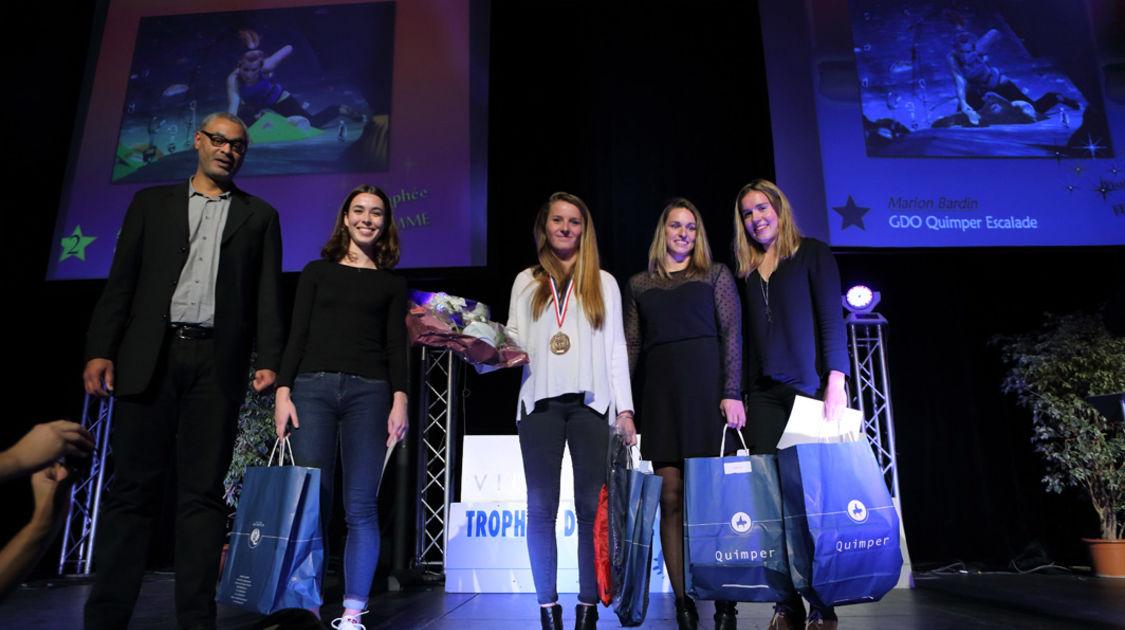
(130, 320)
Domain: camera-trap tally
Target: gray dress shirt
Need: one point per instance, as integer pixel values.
(193, 302)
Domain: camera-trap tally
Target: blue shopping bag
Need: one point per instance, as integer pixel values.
(275, 558)
(734, 540)
(641, 497)
(842, 531)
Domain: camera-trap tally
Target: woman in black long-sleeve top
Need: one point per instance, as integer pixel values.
(343, 378)
(795, 339)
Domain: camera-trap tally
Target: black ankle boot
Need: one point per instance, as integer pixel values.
(725, 615)
(585, 617)
(687, 618)
(550, 617)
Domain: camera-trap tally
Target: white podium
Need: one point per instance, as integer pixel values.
(486, 533)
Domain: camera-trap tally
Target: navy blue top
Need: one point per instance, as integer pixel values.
(348, 320)
(806, 337)
(666, 310)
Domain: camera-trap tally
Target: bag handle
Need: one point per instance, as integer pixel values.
(285, 445)
(617, 447)
(629, 456)
(723, 443)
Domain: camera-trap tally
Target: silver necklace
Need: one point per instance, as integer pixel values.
(765, 287)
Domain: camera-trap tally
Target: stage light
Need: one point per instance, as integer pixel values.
(861, 299)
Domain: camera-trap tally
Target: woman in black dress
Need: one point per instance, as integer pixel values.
(682, 323)
(795, 340)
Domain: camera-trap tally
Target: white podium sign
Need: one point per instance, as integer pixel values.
(486, 534)
(492, 470)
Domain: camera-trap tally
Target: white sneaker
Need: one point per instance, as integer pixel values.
(349, 623)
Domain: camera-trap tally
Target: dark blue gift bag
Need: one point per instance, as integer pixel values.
(734, 541)
(642, 497)
(841, 528)
(276, 553)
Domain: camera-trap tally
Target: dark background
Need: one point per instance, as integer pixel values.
(626, 108)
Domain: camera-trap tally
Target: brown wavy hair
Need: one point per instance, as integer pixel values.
(748, 252)
(586, 272)
(386, 247)
(700, 262)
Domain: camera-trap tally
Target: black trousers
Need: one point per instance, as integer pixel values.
(184, 420)
(544, 433)
(767, 414)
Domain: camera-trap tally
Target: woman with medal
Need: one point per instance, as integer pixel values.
(343, 379)
(566, 313)
(795, 339)
(683, 325)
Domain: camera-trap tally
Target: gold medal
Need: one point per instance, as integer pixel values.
(560, 343)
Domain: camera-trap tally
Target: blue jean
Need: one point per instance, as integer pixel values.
(351, 411)
(544, 433)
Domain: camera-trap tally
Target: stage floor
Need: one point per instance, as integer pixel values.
(938, 602)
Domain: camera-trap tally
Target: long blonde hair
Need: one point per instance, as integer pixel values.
(748, 252)
(586, 273)
(700, 262)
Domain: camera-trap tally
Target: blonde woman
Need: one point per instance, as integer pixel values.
(683, 329)
(566, 313)
(795, 340)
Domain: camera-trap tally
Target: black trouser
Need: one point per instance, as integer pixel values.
(766, 416)
(767, 413)
(544, 433)
(183, 420)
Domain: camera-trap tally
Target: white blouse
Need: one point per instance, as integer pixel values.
(597, 364)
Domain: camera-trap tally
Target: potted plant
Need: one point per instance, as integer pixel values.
(1051, 371)
(253, 443)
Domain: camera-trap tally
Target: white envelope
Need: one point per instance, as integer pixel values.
(808, 426)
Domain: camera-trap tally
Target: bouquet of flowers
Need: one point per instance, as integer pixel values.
(440, 320)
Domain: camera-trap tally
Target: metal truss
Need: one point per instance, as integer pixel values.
(436, 438)
(871, 392)
(86, 497)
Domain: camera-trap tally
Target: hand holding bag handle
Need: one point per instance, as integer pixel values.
(723, 443)
(285, 445)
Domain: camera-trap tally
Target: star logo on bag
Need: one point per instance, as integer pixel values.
(741, 522)
(255, 537)
(857, 511)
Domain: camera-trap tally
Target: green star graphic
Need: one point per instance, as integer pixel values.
(75, 244)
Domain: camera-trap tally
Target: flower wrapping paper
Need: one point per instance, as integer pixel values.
(440, 320)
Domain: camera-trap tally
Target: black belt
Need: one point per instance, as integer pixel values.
(191, 332)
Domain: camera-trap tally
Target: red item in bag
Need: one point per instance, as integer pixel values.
(601, 548)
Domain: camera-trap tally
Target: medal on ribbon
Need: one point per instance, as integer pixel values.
(560, 342)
